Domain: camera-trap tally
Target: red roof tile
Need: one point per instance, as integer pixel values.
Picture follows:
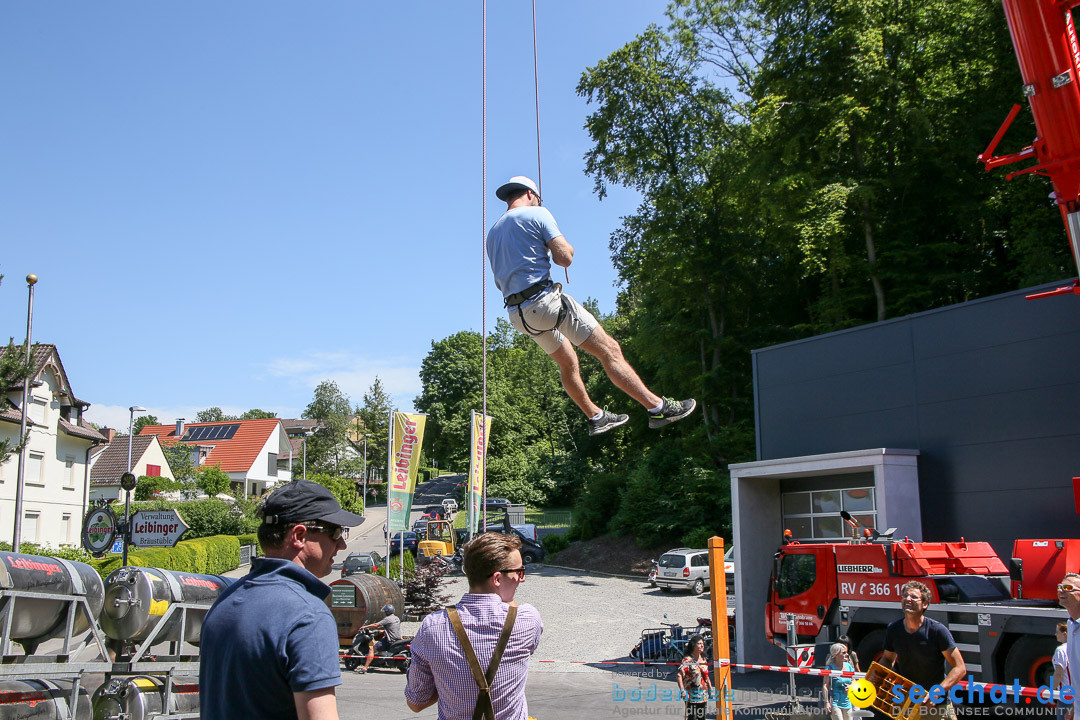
(237, 454)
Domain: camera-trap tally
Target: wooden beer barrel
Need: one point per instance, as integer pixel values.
(358, 600)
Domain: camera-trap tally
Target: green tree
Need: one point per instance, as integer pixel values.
(344, 490)
(13, 369)
(451, 375)
(148, 487)
(331, 408)
(257, 414)
(181, 459)
(212, 480)
(144, 420)
(213, 414)
(375, 415)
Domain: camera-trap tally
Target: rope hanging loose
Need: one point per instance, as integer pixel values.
(483, 218)
(483, 272)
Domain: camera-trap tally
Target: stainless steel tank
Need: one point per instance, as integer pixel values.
(41, 700)
(141, 697)
(136, 600)
(37, 619)
(358, 600)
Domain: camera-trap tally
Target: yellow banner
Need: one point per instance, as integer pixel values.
(477, 453)
(408, 436)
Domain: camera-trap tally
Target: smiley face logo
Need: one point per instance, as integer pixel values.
(862, 693)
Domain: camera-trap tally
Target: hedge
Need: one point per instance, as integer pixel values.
(395, 562)
(209, 555)
(251, 539)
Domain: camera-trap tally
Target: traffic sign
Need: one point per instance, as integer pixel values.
(99, 530)
(117, 546)
(158, 528)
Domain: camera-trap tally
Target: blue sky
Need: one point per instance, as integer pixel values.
(228, 202)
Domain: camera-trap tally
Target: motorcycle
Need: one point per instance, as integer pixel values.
(398, 655)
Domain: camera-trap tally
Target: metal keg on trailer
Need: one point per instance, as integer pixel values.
(137, 600)
(358, 600)
(141, 697)
(42, 700)
(26, 581)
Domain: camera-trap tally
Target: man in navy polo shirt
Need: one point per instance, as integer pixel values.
(269, 646)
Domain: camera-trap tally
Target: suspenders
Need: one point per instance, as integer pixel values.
(484, 708)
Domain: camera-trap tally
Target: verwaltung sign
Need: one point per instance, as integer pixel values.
(158, 528)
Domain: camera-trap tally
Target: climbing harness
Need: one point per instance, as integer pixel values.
(518, 299)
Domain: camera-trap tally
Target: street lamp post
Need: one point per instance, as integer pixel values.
(127, 497)
(20, 480)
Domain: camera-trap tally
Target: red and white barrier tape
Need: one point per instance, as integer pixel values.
(1014, 689)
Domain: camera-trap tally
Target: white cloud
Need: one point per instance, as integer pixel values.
(354, 374)
(117, 417)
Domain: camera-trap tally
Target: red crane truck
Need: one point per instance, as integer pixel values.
(1002, 618)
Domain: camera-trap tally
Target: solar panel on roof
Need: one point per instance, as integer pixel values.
(211, 432)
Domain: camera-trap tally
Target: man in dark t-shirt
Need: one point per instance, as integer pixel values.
(918, 647)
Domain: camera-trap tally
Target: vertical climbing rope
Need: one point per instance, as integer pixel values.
(536, 84)
(483, 229)
(483, 275)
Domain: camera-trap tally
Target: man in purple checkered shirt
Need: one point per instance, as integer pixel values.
(440, 672)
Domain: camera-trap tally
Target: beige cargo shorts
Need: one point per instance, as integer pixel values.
(543, 313)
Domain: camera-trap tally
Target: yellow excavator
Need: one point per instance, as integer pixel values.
(439, 542)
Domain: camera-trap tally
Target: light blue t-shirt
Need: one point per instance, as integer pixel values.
(838, 687)
(517, 248)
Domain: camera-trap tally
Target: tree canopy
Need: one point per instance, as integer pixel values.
(805, 166)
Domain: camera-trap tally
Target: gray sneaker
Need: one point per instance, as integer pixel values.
(607, 421)
(672, 411)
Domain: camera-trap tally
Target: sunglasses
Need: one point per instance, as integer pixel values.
(333, 531)
(1067, 588)
(520, 571)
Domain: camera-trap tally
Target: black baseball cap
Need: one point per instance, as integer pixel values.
(304, 501)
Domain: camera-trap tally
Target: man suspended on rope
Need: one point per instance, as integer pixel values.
(521, 246)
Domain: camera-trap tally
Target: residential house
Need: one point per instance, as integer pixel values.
(254, 453)
(57, 470)
(109, 462)
(297, 429)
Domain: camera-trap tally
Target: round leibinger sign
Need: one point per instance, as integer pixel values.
(99, 530)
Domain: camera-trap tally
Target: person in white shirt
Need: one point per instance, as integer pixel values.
(1068, 592)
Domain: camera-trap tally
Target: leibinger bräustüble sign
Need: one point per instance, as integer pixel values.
(158, 528)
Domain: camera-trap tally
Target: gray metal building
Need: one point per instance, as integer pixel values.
(958, 422)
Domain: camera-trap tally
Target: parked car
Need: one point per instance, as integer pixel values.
(528, 530)
(684, 569)
(411, 542)
(367, 562)
(498, 503)
(531, 550)
(450, 506)
(420, 527)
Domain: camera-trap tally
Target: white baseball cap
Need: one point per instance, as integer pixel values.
(518, 182)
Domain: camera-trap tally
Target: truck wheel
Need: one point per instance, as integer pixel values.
(1031, 661)
(699, 587)
(870, 648)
